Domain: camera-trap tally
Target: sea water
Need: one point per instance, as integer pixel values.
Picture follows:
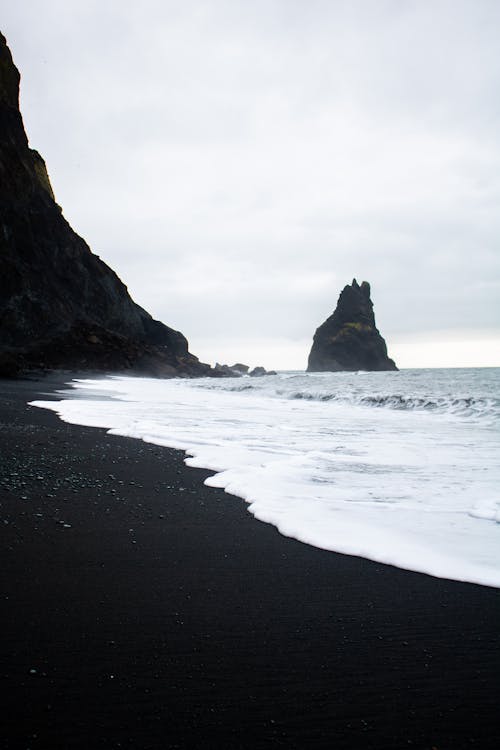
(402, 468)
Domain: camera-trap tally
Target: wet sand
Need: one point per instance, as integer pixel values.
(141, 609)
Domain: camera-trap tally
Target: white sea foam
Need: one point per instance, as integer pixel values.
(401, 468)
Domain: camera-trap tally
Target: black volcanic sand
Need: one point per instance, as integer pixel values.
(144, 610)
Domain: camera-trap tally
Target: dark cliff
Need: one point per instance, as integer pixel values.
(349, 339)
(60, 305)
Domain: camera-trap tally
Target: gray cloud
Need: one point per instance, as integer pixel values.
(238, 163)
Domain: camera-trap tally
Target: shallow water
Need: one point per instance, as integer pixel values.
(401, 467)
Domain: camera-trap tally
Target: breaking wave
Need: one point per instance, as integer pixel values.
(467, 406)
(417, 390)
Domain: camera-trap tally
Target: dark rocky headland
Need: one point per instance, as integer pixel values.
(60, 305)
(349, 339)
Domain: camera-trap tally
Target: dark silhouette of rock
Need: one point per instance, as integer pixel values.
(238, 370)
(258, 372)
(230, 371)
(349, 339)
(243, 369)
(60, 305)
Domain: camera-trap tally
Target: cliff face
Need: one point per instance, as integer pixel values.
(60, 305)
(349, 339)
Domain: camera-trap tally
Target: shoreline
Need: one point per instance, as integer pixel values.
(143, 609)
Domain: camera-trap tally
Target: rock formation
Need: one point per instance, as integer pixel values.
(259, 372)
(349, 339)
(60, 305)
(231, 371)
(238, 370)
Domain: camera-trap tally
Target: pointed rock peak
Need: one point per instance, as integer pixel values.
(355, 305)
(349, 339)
(9, 76)
(365, 288)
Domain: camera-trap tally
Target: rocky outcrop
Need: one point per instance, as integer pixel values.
(231, 371)
(259, 372)
(60, 305)
(238, 370)
(349, 339)
(241, 368)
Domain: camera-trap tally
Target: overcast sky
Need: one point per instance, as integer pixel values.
(237, 163)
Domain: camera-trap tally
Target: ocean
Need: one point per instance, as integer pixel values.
(398, 467)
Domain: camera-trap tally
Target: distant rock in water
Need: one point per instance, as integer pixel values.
(238, 370)
(258, 372)
(231, 371)
(349, 339)
(60, 305)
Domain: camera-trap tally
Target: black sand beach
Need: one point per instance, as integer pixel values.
(141, 609)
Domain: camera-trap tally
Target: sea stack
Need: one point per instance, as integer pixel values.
(349, 339)
(60, 305)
